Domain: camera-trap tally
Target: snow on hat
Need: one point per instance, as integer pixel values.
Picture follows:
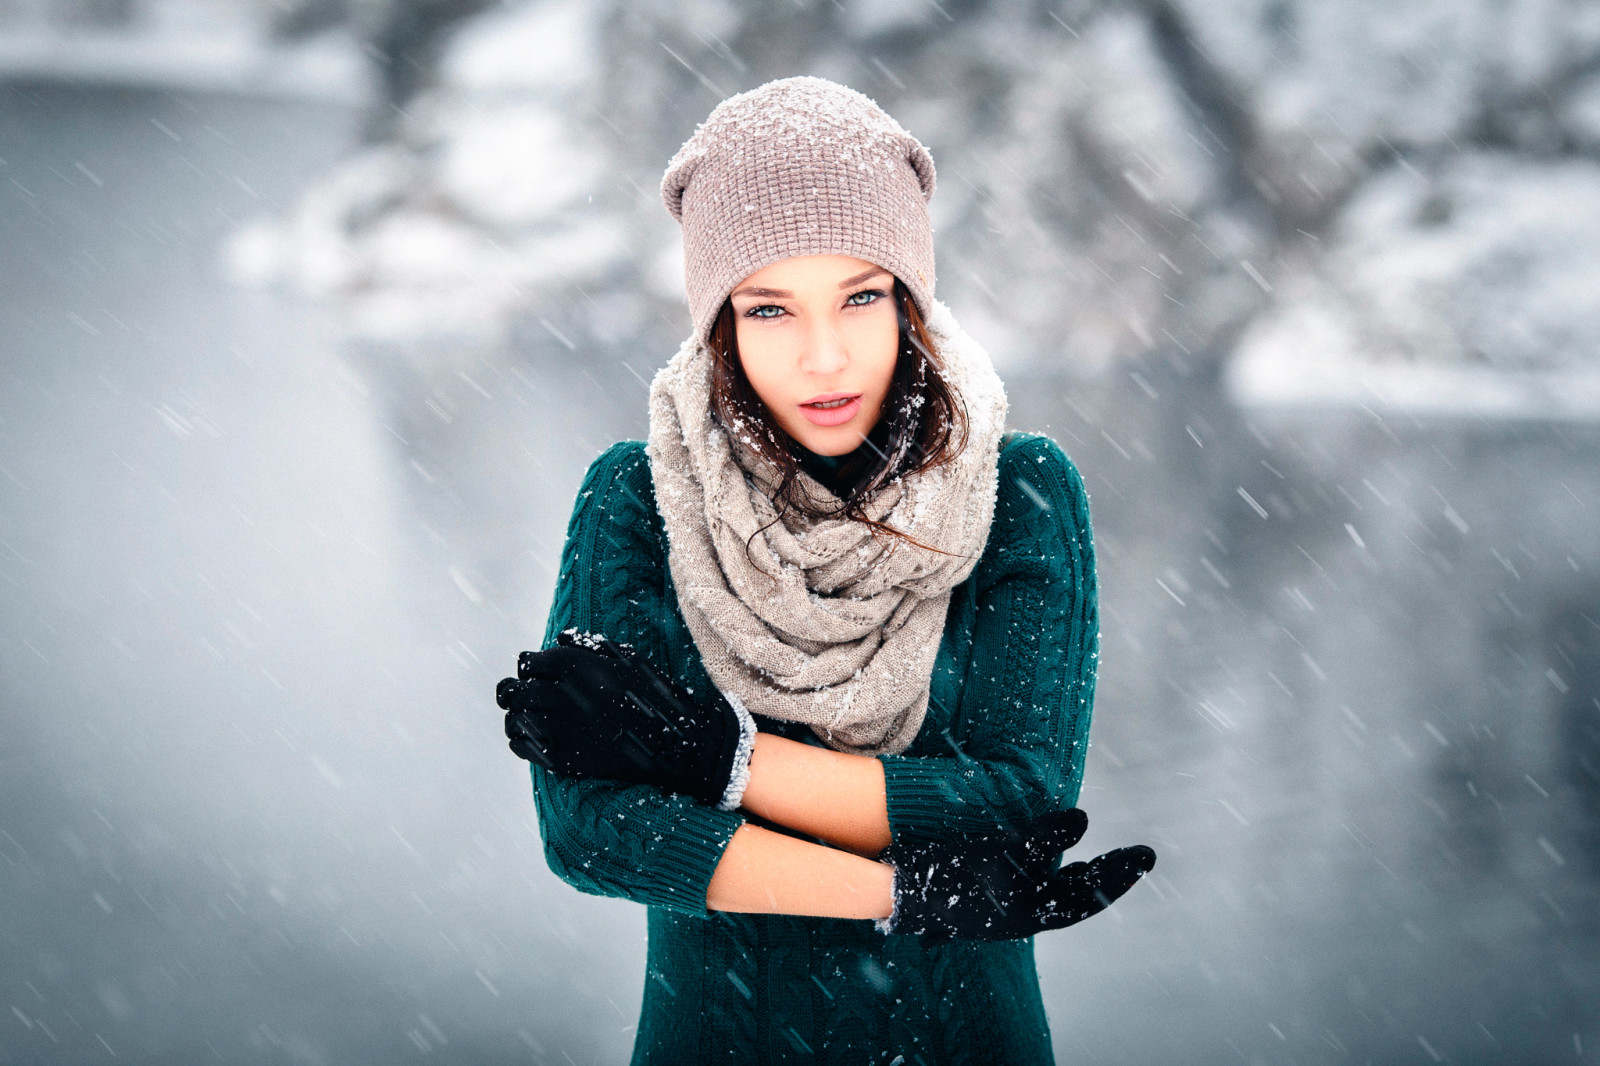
(799, 166)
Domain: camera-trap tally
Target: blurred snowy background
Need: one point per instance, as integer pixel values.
(314, 311)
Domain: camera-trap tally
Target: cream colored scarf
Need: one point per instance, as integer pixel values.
(845, 637)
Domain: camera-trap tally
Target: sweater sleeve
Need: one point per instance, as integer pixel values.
(610, 838)
(1016, 744)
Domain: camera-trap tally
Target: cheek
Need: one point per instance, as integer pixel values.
(882, 345)
(765, 366)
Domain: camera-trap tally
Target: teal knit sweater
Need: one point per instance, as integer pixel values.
(1004, 740)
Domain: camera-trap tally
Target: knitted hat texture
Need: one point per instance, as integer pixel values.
(799, 166)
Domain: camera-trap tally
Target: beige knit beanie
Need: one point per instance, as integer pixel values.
(799, 166)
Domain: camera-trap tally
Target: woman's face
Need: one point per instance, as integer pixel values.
(818, 338)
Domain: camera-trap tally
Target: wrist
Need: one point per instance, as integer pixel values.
(739, 771)
(887, 924)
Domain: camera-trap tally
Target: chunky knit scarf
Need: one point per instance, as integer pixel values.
(818, 622)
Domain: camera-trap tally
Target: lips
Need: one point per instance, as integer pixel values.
(831, 408)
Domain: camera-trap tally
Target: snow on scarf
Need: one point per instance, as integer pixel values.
(843, 633)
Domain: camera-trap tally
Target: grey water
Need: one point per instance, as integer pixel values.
(257, 586)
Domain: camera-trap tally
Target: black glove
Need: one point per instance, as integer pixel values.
(590, 707)
(1005, 886)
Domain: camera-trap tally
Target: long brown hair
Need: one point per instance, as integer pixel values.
(923, 423)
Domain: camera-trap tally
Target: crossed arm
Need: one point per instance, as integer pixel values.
(832, 795)
(1028, 697)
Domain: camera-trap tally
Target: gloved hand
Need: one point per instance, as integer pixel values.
(590, 707)
(1005, 886)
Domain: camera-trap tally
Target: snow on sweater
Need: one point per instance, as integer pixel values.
(1004, 740)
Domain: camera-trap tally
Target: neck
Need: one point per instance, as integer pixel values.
(841, 473)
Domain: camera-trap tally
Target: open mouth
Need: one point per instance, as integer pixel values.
(834, 410)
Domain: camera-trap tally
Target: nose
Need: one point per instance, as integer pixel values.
(824, 352)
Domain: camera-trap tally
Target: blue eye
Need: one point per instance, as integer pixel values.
(755, 312)
(876, 294)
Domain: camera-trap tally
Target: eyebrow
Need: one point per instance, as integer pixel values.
(751, 290)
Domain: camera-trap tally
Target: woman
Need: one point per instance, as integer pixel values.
(817, 679)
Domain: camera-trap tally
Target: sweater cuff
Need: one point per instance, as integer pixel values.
(699, 835)
(918, 796)
(631, 841)
(886, 925)
(739, 779)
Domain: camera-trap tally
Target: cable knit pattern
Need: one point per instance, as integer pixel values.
(1004, 739)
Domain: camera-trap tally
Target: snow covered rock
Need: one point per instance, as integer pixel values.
(1471, 287)
(486, 197)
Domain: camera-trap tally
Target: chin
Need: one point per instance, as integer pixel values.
(836, 440)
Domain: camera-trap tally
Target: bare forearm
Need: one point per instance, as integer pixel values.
(770, 873)
(831, 795)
